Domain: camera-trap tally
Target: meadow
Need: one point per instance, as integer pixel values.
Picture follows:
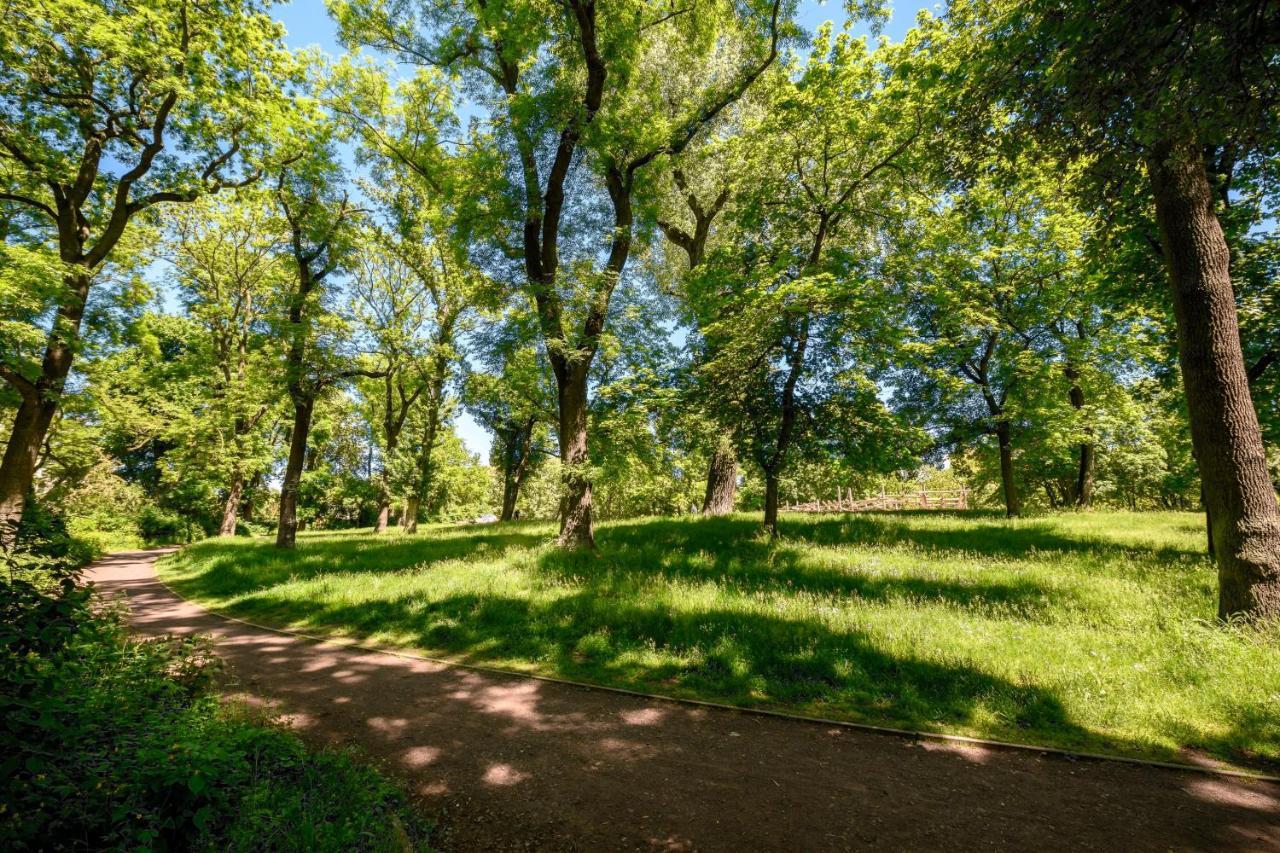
(1093, 632)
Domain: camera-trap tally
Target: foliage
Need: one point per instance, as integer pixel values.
(111, 742)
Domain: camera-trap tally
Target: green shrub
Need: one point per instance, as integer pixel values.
(164, 526)
(108, 742)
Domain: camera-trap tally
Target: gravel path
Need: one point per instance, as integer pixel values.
(511, 763)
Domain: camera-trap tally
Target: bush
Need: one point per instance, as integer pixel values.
(108, 742)
(162, 526)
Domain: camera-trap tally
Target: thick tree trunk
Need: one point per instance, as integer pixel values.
(410, 522)
(384, 515)
(1008, 483)
(287, 529)
(30, 425)
(576, 529)
(231, 508)
(1238, 493)
(722, 481)
(771, 502)
(36, 410)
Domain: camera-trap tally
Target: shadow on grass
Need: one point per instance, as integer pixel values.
(973, 532)
(741, 658)
(235, 567)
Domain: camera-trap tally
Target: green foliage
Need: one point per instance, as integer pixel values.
(110, 742)
(1088, 631)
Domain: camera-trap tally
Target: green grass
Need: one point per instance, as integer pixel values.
(1091, 632)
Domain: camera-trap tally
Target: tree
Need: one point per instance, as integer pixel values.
(231, 274)
(514, 401)
(829, 159)
(107, 110)
(1144, 90)
(564, 85)
(320, 219)
(392, 303)
(685, 219)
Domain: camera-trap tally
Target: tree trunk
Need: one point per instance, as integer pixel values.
(231, 508)
(411, 514)
(1084, 475)
(1009, 486)
(722, 481)
(384, 514)
(287, 529)
(576, 530)
(1082, 490)
(30, 425)
(1239, 497)
(771, 502)
(39, 404)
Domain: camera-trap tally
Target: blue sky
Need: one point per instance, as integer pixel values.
(308, 24)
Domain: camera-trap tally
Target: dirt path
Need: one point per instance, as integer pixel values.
(509, 763)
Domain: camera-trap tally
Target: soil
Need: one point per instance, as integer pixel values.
(512, 763)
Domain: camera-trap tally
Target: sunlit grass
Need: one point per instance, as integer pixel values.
(1091, 631)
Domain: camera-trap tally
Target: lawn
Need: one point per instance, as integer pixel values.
(1091, 631)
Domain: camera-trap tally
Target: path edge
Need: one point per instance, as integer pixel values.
(888, 731)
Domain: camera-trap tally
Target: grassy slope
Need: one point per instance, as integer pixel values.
(1083, 631)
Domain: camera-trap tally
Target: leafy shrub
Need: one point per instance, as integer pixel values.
(160, 525)
(108, 742)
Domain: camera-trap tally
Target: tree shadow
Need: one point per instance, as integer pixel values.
(229, 568)
(974, 532)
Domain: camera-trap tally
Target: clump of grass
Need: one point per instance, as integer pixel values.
(1090, 631)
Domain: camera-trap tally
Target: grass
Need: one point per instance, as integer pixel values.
(1090, 632)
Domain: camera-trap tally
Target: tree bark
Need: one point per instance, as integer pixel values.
(722, 481)
(287, 528)
(1008, 484)
(410, 522)
(38, 405)
(384, 514)
(771, 502)
(231, 508)
(576, 530)
(1239, 496)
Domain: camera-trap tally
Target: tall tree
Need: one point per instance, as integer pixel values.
(107, 110)
(565, 85)
(829, 161)
(320, 219)
(228, 256)
(1144, 90)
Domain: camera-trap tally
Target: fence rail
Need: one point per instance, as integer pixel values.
(950, 499)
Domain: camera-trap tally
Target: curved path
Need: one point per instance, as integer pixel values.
(511, 763)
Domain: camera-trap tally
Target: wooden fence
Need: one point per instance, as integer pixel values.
(951, 499)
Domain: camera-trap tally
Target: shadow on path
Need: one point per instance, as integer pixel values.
(509, 763)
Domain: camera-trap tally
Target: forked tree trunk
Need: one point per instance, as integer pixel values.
(517, 469)
(722, 481)
(576, 529)
(231, 508)
(287, 529)
(771, 502)
(38, 405)
(1238, 494)
(1008, 483)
